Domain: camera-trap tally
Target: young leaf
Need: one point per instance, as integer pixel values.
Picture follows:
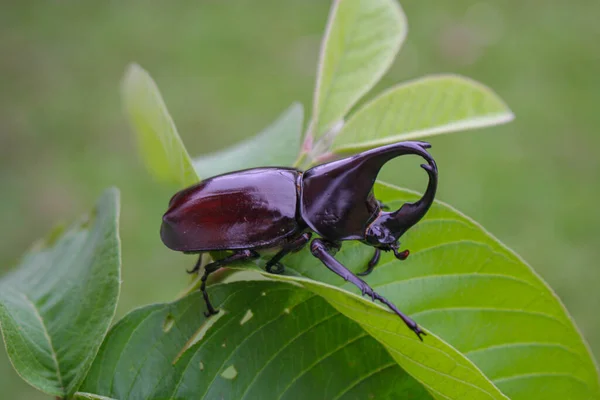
(425, 107)
(270, 340)
(277, 145)
(361, 40)
(159, 143)
(465, 286)
(57, 306)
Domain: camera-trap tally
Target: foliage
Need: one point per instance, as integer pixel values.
(495, 330)
(57, 306)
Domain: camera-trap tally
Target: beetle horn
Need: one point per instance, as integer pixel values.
(411, 213)
(338, 196)
(388, 227)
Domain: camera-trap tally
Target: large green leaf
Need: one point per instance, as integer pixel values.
(271, 340)
(159, 143)
(277, 145)
(279, 341)
(57, 306)
(428, 106)
(362, 38)
(467, 287)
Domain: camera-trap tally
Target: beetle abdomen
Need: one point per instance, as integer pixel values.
(251, 208)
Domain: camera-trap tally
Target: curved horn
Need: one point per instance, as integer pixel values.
(411, 213)
(344, 188)
(390, 226)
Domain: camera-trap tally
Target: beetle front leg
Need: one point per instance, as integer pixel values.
(320, 249)
(372, 263)
(400, 255)
(213, 266)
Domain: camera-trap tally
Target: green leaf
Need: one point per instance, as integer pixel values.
(425, 107)
(459, 282)
(159, 143)
(270, 340)
(57, 306)
(277, 145)
(465, 286)
(361, 40)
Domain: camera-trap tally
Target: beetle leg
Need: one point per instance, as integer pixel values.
(372, 263)
(213, 266)
(291, 247)
(197, 266)
(319, 248)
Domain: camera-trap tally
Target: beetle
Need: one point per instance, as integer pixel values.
(272, 207)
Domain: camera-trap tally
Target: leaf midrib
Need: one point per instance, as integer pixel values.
(48, 338)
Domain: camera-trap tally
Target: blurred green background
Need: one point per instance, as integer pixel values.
(228, 68)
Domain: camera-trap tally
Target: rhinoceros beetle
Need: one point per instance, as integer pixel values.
(263, 208)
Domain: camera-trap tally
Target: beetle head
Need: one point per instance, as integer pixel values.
(385, 231)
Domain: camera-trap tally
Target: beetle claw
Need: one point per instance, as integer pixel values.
(278, 270)
(416, 329)
(210, 313)
(368, 291)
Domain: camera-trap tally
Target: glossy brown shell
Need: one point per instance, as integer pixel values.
(246, 209)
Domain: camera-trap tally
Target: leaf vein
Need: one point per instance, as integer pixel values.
(361, 379)
(490, 309)
(540, 375)
(323, 357)
(282, 348)
(283, 313)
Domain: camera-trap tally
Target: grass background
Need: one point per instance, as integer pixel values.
(228, 68)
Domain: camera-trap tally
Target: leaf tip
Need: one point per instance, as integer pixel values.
(132, 70)
(111, 193)
(506, 112)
